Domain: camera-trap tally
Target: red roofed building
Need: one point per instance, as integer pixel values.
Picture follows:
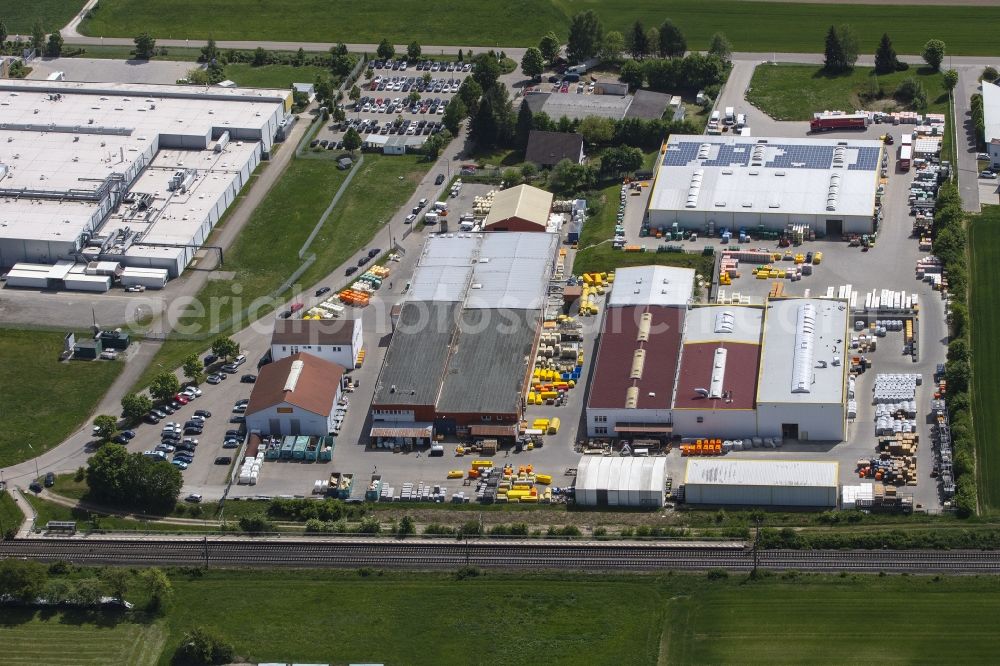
(296, 395)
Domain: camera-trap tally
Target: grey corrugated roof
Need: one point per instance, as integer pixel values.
(761, 473)
(512, 271)
(648, 105)
(578, 107)
(489, 362)
(416, 359)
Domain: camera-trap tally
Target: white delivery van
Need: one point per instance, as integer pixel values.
(741, 121)
(441, 205)
(730, 115)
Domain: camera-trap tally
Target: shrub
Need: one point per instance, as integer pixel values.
(201, 647)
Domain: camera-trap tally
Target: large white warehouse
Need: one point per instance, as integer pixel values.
(802, 383)
(126, 173)
(624, 481)
(828, 185)
(761, 482)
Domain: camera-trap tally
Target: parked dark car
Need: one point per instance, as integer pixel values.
(322, 290)
(203, 412)
(119, 439)
(192, 431)
(210, 359)
(351, 270)
(363, 260)
(286, 314)
(232, 432)
(439, 179)
(128, 434)
(223, 460)
(239, 418)
(248, 379)
(374, 252)
(50, 479)
(35, 487)
(151, 419)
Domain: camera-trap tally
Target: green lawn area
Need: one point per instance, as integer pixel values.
(272, 76)
(342, 617)
(126, 52)
(33, 637)
(751, 26)
(596, 253)
(29, 368)
(20, 15)
(266, 252)
(48, 510)
(795, 92)
(984, 248)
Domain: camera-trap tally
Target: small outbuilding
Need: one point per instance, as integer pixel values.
(521, 208)
(621, 481)
(546, 149)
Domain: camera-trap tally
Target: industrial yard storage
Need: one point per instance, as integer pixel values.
(761, 482)
(623, 481)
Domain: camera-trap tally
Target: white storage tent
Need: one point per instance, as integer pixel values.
(621, 481)
(761, 482)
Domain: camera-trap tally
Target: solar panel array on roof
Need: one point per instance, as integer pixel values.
(800, 157)
(730, 156)
(782, 156)
(680, 154)
(867, 160)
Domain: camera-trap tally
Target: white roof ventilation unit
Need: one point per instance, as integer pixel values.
(833, 192)
(703, 151)
(293, 375)
(725, 322)
(804, 350)
(694, 188)
(638, 362)
(644, 324)
(718, 374)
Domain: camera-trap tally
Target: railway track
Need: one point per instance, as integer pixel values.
(421, 554)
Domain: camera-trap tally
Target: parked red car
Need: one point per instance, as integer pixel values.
(296, 307)
(181, 398)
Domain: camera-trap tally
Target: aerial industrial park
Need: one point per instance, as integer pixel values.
(614, 300)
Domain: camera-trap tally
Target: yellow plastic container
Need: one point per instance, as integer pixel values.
(554, 425)
(482, 464)
(544, 479)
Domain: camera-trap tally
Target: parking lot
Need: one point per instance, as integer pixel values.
(386, 107)
(219, 400)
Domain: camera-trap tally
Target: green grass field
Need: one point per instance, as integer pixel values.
(795, 92)
(984, 248)
(88, 521)
(29, 368)
(596, 253)
(73, 637)
(751, 26)
(272, 76)
(19, 16)
(343, 617)
(10, 515)
(266, 252)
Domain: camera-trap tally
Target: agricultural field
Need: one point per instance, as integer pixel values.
(795, 92)
(30, 367)
(266, 252)
(19, 16)
(751, 26)
(57, 638)
(984, 247)
(613, 619)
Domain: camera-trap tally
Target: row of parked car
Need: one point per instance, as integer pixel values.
(428, 105)
(402, 64)
(414, 83)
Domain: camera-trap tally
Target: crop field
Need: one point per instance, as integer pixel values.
(751, 26)
(35, 637)
(814, 620)
(20, 15)
(366, 616)
(795, 92)
(30, 367)
(984, 248)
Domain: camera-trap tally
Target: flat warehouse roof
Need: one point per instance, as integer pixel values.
(827, 177)
(489, 362)
(486, 270)
(787, 473)
(735, 367)
(723, 323)
(804, 356)
(617, 357)
(652, 285)
(578, 107)
(418, 354)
